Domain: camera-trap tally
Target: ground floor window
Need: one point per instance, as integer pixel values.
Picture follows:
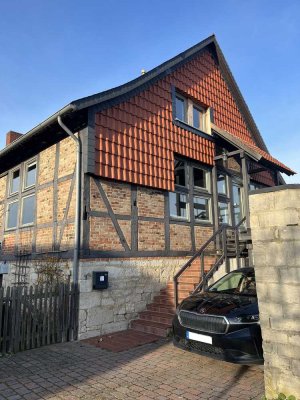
(178, 205)
(192, 197)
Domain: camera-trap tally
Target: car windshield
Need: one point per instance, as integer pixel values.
(238, 283)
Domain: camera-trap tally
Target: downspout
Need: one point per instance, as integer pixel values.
(78, 198)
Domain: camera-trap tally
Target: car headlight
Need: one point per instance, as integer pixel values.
(246, 319)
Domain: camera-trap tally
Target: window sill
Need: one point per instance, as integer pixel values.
(203, 223)
(178, 219)
(10, 229)
(190, 128)
(27, 225)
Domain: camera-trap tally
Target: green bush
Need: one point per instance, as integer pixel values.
(282, 396)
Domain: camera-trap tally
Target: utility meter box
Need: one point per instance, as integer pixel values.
(100, 280)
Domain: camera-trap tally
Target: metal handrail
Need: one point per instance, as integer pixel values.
(200, 253)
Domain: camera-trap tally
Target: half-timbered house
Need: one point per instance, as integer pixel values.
(164, 163)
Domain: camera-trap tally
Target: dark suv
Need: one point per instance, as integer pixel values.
(223, 321)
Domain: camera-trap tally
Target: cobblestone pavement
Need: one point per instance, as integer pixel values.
(72, 371)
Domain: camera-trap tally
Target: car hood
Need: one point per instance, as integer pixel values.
(221, 304)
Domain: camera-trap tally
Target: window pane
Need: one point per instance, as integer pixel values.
(201, 208)
(15, 182)
(196, 118)
(199, 178)
(28, 210)
(221, 181)
(179, 178)
(30, 175)
(180, 108)
(178, 206)
(12, 214)
(223, 212)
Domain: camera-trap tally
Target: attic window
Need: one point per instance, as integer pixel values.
(189, 113)
(180, 108)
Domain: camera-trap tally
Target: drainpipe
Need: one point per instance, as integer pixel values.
(78, 198)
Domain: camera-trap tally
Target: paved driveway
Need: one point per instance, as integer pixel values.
(157, 371)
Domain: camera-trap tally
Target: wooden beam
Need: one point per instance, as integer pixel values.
(246, 189)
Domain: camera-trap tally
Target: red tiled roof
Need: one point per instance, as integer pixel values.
(136, 139)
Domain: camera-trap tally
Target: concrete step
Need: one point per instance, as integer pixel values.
(156, 328)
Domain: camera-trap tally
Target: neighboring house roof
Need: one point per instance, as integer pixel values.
(78, 108)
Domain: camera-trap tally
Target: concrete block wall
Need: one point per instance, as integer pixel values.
(275, 228)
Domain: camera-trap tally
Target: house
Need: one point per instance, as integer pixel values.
(164, 161)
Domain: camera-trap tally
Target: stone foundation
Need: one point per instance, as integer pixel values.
(132, 285)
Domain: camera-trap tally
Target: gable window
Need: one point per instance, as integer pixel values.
(192, 198)
(180, 108)
(188, 112)
(199, 118)
(15, 181)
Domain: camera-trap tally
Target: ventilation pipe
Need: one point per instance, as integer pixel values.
(78, 198)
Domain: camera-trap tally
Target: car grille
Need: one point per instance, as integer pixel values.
(205, 323)
(202, 347)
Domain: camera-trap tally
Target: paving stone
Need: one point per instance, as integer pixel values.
(157, 370)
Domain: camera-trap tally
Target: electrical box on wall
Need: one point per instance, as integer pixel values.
(100, 280)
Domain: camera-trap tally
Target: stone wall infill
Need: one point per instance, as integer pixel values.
(133, 283)
(275, 228)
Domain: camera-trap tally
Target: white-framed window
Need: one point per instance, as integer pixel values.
(29, 175)
(178, 205)
(20, 210)
(191, 113)
(199, 118)
(224, 212)
(12, 214)
(200, 179)
(202, 208)
(222, 184)
(28, 210)
(14, 182)
(191, 198)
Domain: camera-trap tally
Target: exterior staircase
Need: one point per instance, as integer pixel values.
(226, 243)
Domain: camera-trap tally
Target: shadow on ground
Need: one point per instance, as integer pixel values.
(73, 371)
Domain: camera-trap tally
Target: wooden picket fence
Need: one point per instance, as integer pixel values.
(37, 316)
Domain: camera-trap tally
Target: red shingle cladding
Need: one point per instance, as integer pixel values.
(136, 140)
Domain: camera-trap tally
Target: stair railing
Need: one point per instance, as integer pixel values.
(204, 278)
(237, 237)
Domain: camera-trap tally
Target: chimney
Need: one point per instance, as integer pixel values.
(11, 136)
